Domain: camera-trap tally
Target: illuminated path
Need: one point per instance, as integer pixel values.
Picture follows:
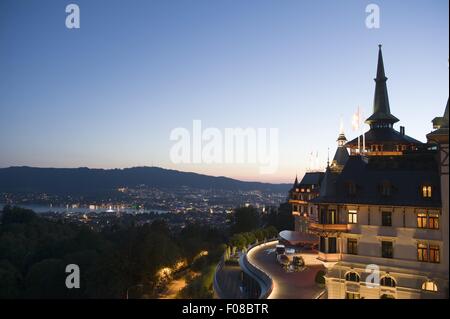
(173, 289)
(287, 285)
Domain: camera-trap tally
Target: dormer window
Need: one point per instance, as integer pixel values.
(386, 189)
(351, 188)
(427, 191)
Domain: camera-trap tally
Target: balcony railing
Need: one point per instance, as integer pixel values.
(328, 227)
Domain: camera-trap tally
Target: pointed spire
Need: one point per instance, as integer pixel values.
(381, 109)
(328, 158)
(440, 124)
(341, 138)
(341, 155)
(445, 118)
(381, 76)
(296, 181)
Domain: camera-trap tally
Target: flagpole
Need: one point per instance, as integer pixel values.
(359, 131)
(364, 142)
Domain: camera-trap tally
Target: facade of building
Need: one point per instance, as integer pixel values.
(381, 212)
(300, 196)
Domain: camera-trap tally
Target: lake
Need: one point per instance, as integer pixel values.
(39, 208)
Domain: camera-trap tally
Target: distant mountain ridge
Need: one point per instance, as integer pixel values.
(85, 180)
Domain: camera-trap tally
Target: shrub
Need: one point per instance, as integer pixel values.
(271, 232)
(238, 240)
(320, 277)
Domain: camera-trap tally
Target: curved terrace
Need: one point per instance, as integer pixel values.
(287, 285)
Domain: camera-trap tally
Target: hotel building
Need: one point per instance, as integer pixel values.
(300, 196)
(382, 207)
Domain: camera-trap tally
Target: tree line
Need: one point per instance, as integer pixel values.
(35, 251)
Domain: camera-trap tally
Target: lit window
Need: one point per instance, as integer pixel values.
(433, 221)
(352, 217)
(422, 252)
(434, 254)
(352, 295)
(331, 217)
(421, 220)
(352, 276)
(387, 281)
(429, 286)
(426, 191)
(428, 220)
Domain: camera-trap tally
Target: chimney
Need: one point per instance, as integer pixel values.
(402, 130)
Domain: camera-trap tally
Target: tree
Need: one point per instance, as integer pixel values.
(238, 240)
(227, 254)
(10, 281)
(320, 277)
(46, 279)
(281, 218)
(17, 215)
(250, 238)
(245, 219)
(259, 234)
(271, 232)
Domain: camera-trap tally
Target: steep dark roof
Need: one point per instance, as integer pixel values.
(445, 121)
(312, 178)
(328, 186)
(385, 135)
(381, 108)
(295, 182)
(441, 123)
(341, 156)
(406, 174)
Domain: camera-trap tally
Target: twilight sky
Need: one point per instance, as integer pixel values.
(110, 93)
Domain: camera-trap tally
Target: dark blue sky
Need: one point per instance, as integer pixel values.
(109, 94)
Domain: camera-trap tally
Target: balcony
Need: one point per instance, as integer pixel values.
(328, 227)
(297, 201)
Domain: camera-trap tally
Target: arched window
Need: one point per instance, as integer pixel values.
(387, 281)
(429, 286)
(352, 276)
